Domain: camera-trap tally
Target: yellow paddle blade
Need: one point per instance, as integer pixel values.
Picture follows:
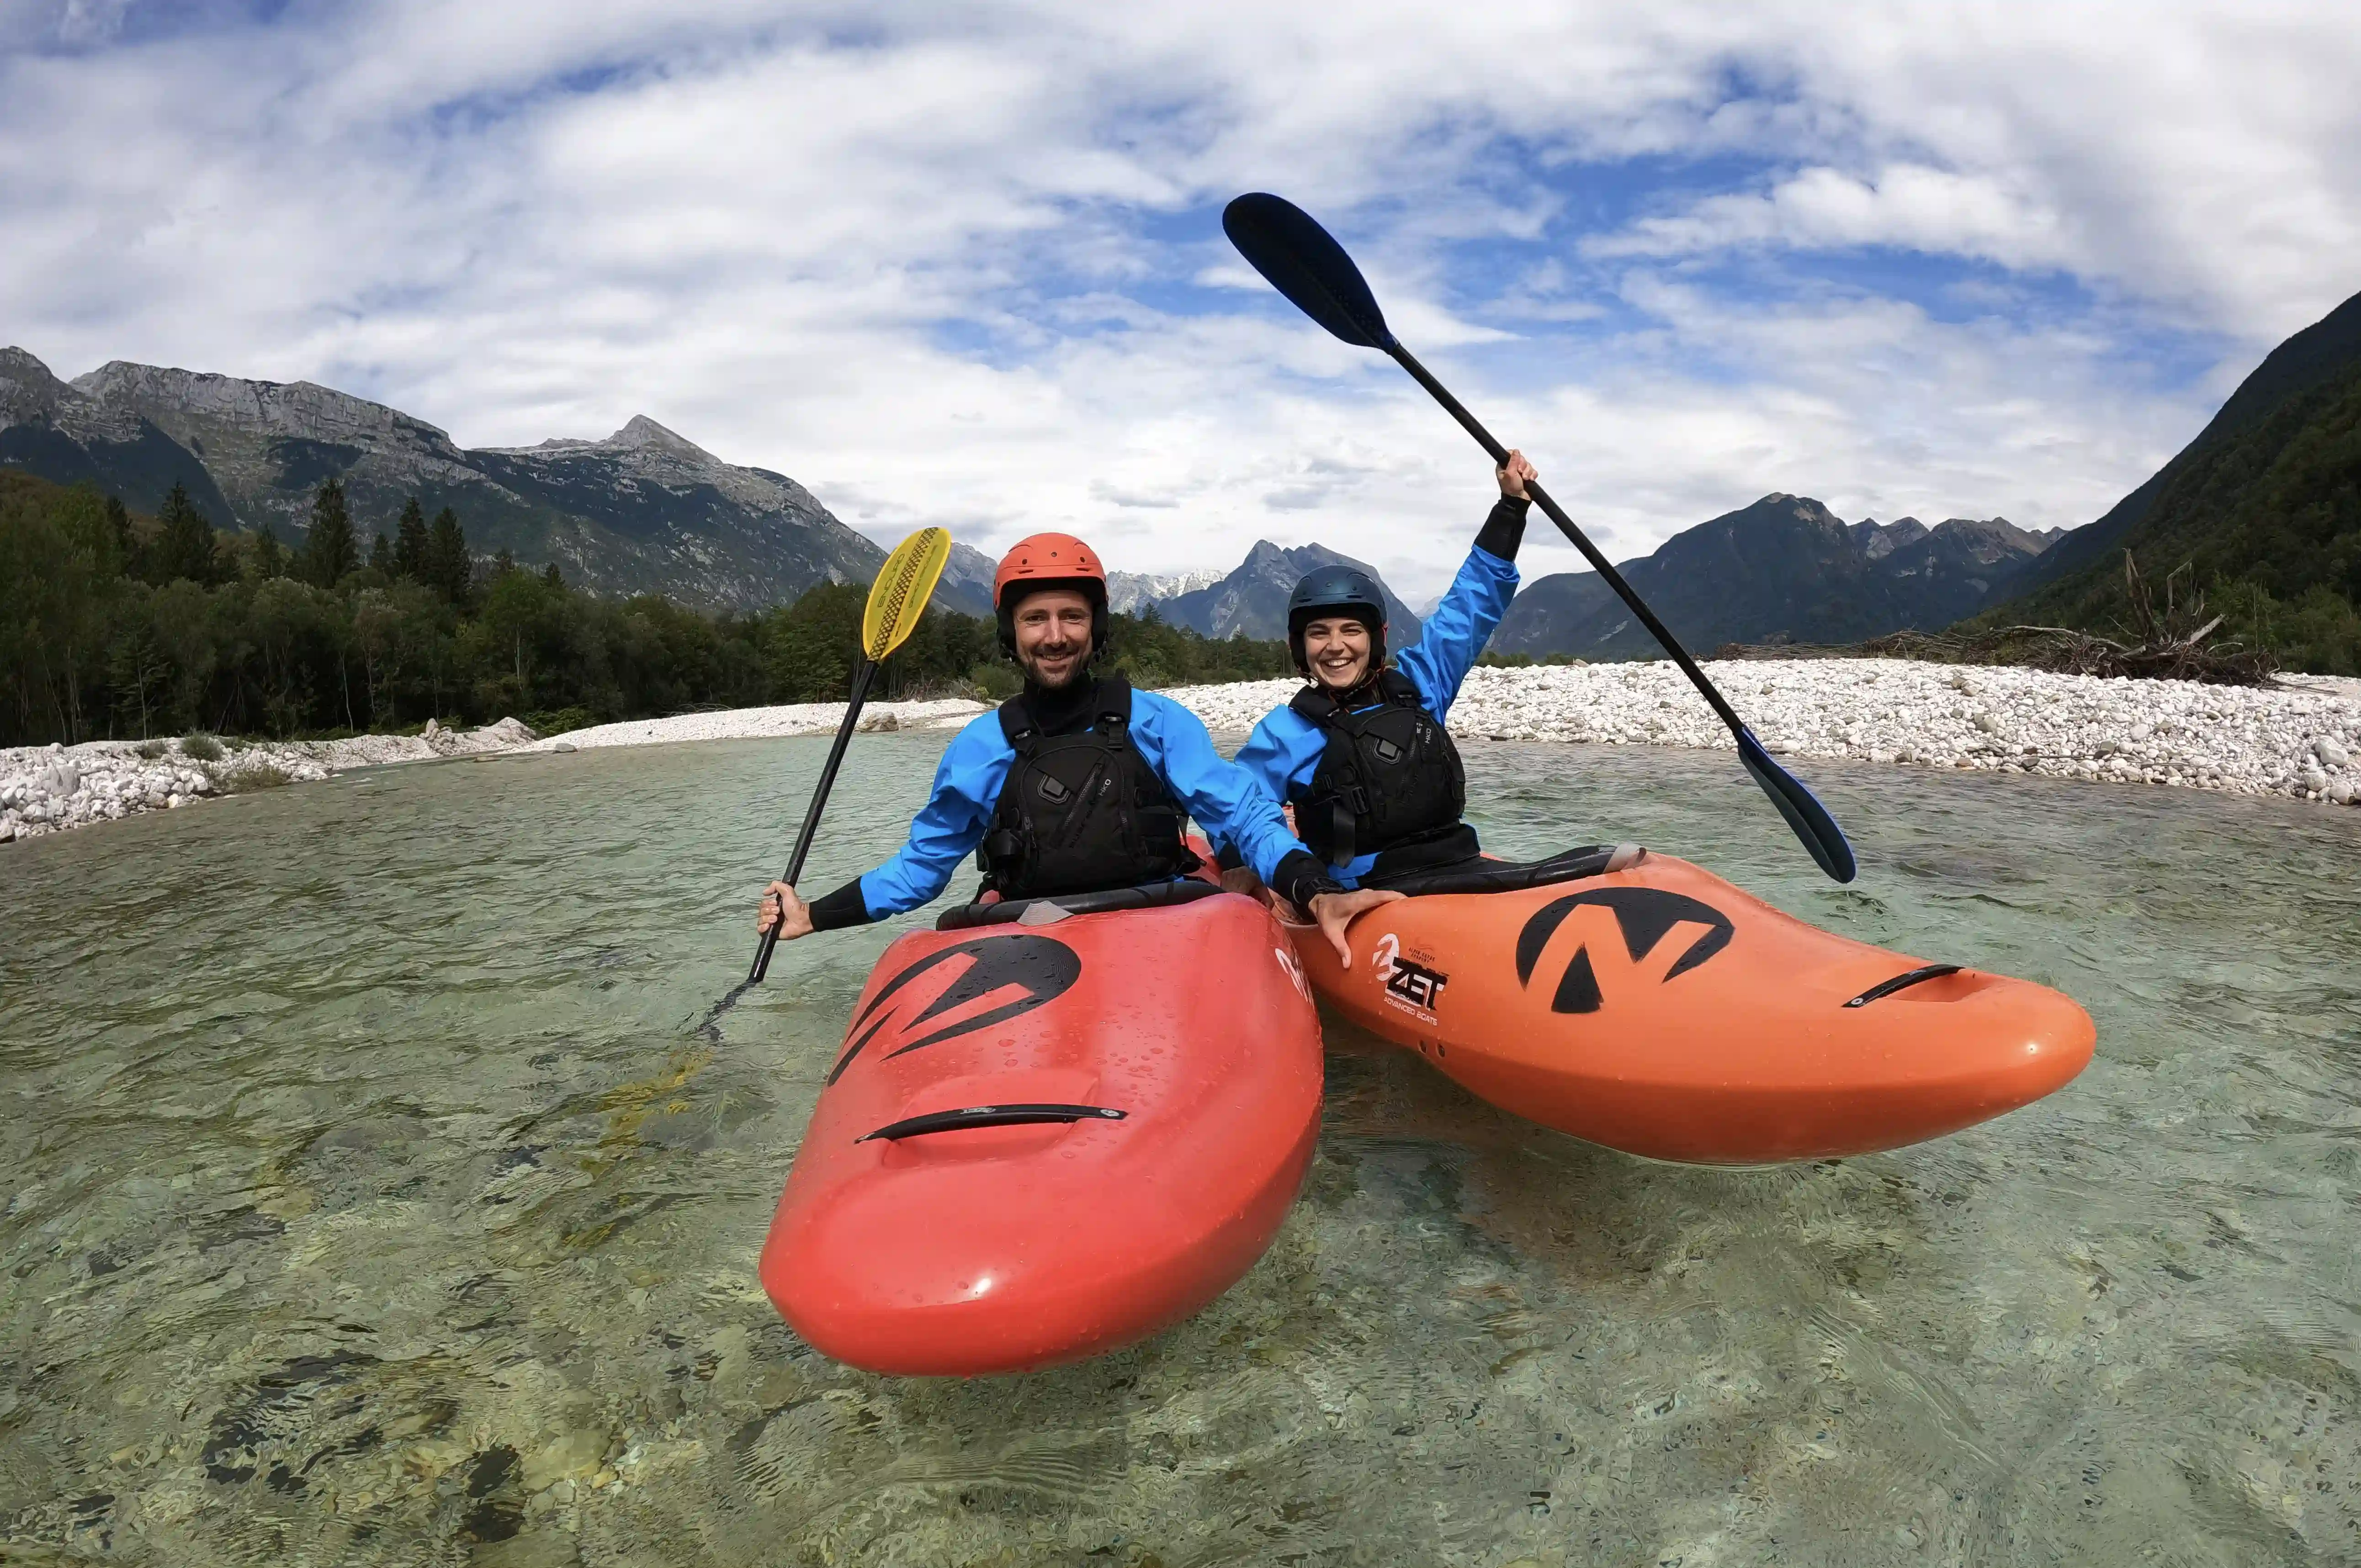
(902, 591)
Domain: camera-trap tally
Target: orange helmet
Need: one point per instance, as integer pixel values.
(1046, 558)
(1050, 561)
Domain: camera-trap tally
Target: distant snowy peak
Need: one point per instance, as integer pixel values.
(1130, 592)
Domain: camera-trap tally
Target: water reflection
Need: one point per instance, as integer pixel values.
(374, 1199)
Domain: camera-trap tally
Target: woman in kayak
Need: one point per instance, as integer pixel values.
(1361, 753)
(1076, 785)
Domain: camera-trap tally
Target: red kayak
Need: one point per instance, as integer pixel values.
(1049, 1134)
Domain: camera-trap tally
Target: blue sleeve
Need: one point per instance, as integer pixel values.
(1455, 633)
(1226, 801)
(1282, 751)
(949, 826)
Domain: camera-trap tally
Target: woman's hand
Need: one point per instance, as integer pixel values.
(1335, 911)
(782, 908)
(1513, 474)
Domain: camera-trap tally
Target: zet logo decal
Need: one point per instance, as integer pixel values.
(965, 987)
(1411, 987)
(1643, 915)
(1295, 970)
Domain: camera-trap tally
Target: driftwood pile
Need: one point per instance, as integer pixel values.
(2169, 644)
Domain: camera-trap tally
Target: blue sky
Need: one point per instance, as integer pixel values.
(964, 265)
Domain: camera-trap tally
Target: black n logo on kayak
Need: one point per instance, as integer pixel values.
(1643, 914)
(1016, 973)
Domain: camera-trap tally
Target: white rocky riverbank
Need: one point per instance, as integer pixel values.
(2301, 740)
(47, 789)
(764, 723)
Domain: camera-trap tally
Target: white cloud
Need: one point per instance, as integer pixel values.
(1904, 205)
(933, 265)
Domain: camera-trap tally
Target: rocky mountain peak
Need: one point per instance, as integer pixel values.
(198, 404)
(1989, 539)
(1252, 601)
(643, 431)
(1879, 539)
(28, 391)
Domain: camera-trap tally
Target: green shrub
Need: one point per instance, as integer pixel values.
(246, 781)
(201, 747)
(996, 681)
(551, 721)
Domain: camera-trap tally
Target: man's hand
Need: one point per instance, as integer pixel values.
(1335, 911)
(782, 908)
(1513, 474)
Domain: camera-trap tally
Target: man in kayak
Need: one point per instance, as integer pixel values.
(1078, 783)
(1361, 753)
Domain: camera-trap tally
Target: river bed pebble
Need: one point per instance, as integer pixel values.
(2299, 739)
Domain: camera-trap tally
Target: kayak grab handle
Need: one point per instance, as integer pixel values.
(1057, 906)
(1902, 983)
(991, 1116)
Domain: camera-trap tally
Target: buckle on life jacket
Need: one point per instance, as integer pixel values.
(999, 850)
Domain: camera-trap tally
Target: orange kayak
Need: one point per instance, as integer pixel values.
(1660, 1011)
(1045, 1140)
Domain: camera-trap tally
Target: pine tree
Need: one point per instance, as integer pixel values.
(381, 554)
(269, 559)
(550, 576)
(504, 563)
(330, 550)
(411, 543)
(450, 570)
(184, 540)
(127, 544)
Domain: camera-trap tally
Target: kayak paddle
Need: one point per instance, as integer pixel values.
(1303, 262)
(895, 601)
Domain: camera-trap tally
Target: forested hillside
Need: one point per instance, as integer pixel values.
(2263, 510)
(115, 624)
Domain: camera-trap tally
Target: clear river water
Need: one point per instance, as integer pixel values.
(371, 1196)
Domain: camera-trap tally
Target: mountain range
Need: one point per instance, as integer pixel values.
(645, 510)
(2268, 493)
(1784, 569)
(1251, 600)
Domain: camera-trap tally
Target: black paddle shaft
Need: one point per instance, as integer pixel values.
(862, 675)
(1591, 552)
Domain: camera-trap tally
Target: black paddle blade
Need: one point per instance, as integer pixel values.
(1800, 807)
(1299, 257)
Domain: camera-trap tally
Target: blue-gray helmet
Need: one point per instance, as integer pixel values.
(1337, 591)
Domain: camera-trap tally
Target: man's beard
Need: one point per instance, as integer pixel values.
(1030, 665)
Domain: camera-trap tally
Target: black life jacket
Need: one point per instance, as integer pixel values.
(1083, 812)
(1389, 783)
